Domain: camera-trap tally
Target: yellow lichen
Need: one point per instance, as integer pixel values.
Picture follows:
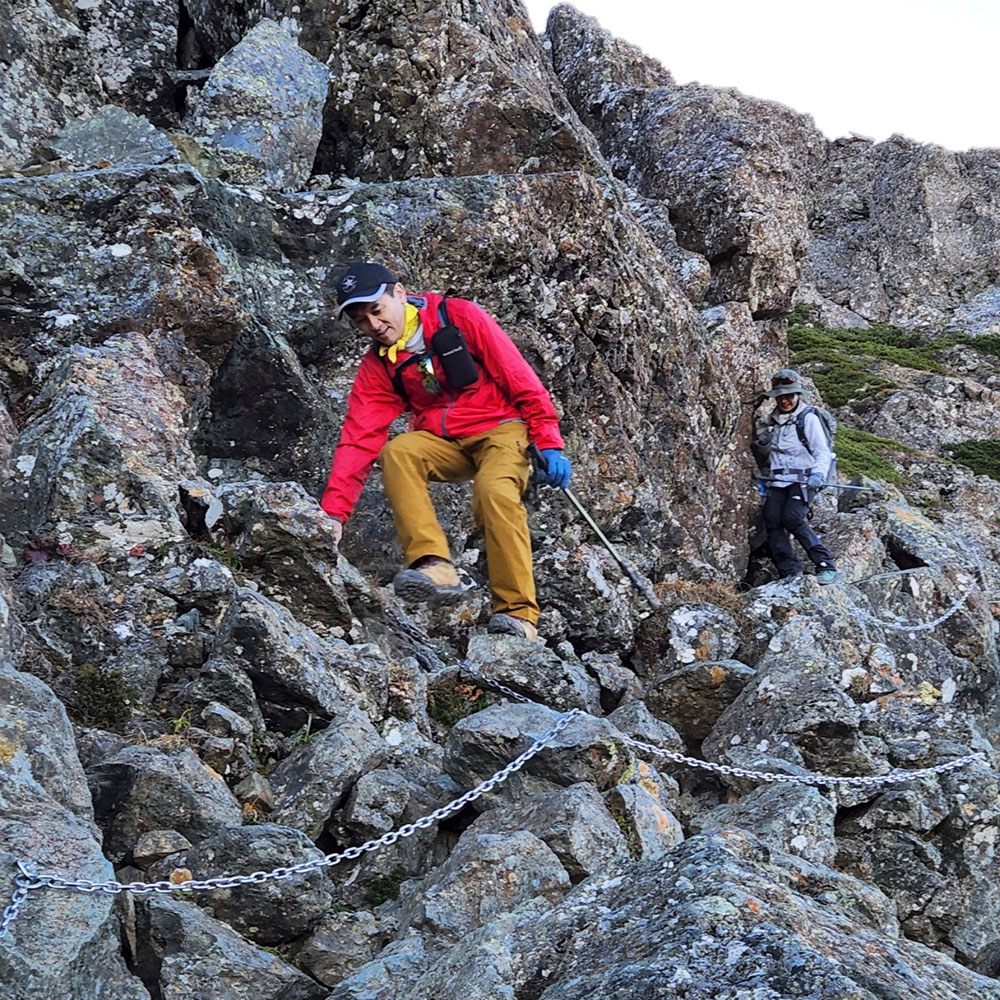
(8, 749)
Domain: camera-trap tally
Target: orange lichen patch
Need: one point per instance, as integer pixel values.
(906, 515)
(717, 674)
(8, 749)
(644, 771)
(180, 875)
(753, 906)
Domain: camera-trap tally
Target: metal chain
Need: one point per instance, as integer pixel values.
(897, 623)
(892, 777)
(29, 877)
(24, 881)
(900, 625)
(865, 781)
(502, 688)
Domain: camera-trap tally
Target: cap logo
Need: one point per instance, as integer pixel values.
(349, 282)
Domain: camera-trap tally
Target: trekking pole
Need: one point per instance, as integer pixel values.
(641, 583)
(825, 486)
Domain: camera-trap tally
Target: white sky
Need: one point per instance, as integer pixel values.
(925, 68)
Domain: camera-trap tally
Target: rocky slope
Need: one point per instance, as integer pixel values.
(196, 682)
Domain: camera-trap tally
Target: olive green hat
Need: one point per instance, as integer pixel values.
(785, 382)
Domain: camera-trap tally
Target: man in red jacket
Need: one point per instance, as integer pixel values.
(474, 405)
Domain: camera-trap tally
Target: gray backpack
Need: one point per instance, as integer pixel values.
(829, 424)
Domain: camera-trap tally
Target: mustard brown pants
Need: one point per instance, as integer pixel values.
(497, 463)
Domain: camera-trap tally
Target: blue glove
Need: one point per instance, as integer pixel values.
(557, 468)
(814, 480)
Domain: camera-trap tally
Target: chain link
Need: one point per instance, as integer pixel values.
(864, 781)
(502, 688)
(29, 878)
(898, 624)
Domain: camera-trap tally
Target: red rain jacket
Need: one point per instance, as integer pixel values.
(507, 389)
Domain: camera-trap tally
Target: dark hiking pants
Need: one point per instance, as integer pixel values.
(786, 509)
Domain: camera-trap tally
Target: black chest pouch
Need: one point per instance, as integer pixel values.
(453, 352)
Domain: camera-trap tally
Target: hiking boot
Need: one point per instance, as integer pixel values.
(433, 580)
(826, 574)
(511, 625)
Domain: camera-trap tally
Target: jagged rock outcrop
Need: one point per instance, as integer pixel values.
(905, 233)
(721, 164)
(708, 918)
(64, 945)
(49, 69)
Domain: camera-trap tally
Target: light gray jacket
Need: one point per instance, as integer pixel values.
(777, 437)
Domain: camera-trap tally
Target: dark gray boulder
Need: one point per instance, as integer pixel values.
(268, 912)
(183, 953)
(310, 784)
(295, 672)
(112, 137)
(62, 944)
(535, 671)
(586, 750)
(283, 538)
(262, 109)
(139, 788)
(692, 696)
(573, 822)
(486, 875)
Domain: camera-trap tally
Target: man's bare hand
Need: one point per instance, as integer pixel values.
(338, 529)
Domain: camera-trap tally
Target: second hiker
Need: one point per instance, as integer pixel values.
(793, 441)
(474, 405)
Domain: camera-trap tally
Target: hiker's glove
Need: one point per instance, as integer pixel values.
(814, 481)
(557, 468)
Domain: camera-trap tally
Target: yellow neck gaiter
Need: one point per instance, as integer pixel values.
(410, 324)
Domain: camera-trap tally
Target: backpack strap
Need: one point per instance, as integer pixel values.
(396, 376)
(800, 427)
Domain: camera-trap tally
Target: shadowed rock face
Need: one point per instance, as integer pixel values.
(425, 89)
(556, 257)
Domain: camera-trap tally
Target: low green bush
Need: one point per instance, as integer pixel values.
(982, 456)
(860, 453)
(102, 698)
(840, 359)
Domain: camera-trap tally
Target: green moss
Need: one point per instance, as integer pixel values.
(102, 698)
(839, 361)
(801, 315)
(453, 701)
(987, 344)
(860, 453)
(982, 456)
(385, 887)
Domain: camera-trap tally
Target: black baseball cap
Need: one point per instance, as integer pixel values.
(362, 282)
